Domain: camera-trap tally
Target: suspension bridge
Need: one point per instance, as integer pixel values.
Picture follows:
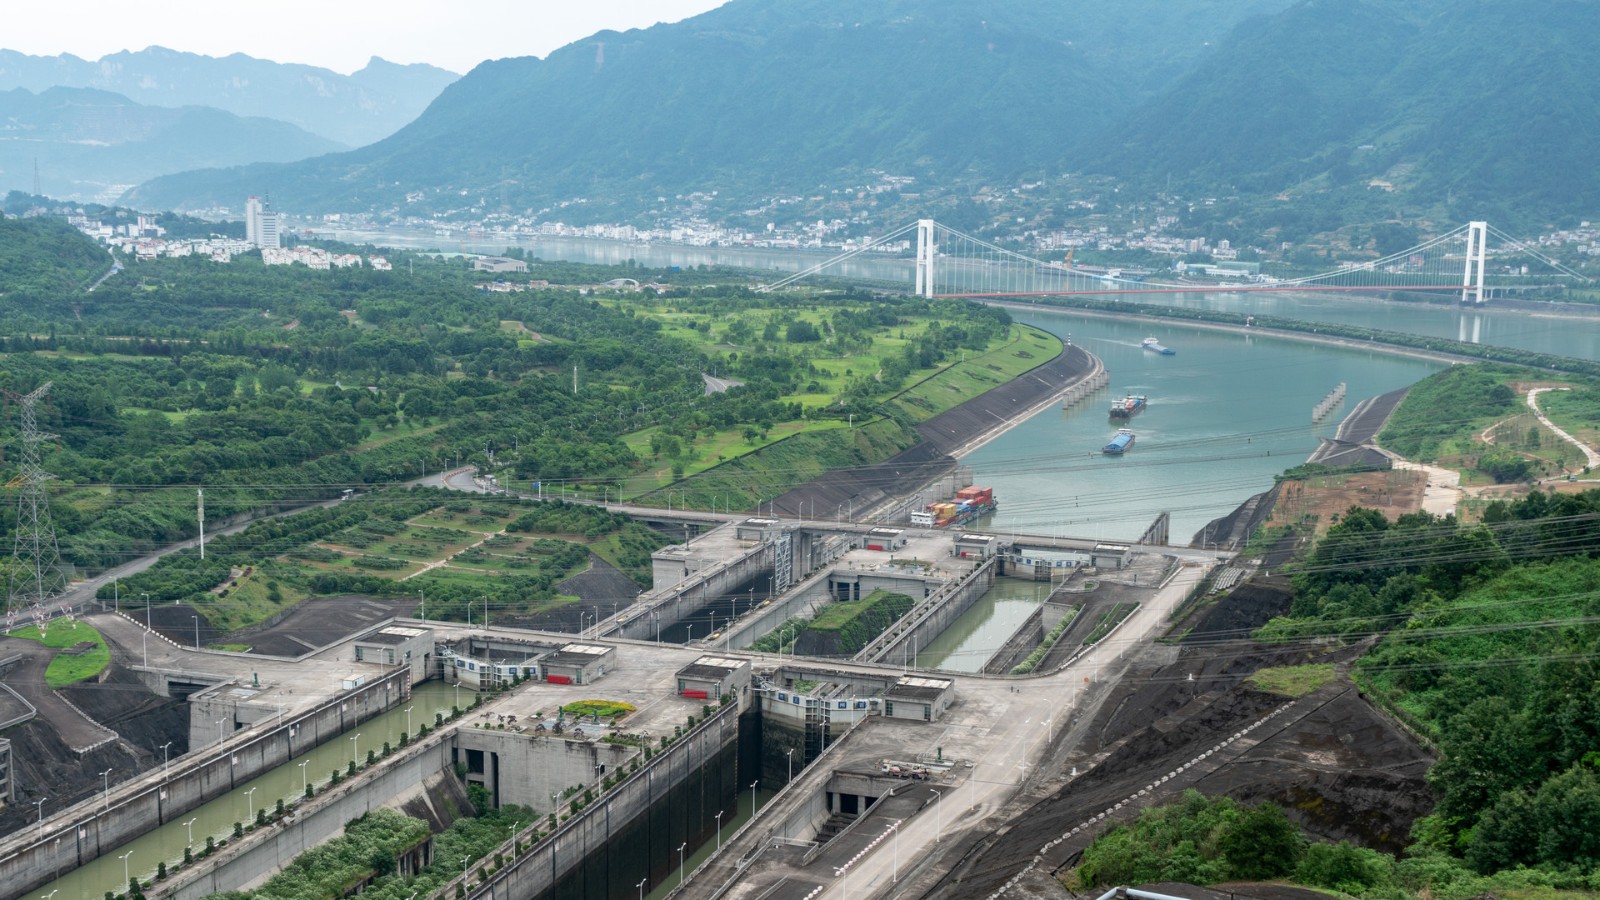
(1475, 261)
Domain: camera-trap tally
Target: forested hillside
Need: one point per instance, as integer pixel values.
(1367, 105)
(780, 97)
(272, 387)
(45, 256)
(1489, 647)
(1387, 95)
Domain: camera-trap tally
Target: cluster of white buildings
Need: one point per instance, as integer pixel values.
(142, 227)
(216, 249)
(1584, 239)
(318, 258)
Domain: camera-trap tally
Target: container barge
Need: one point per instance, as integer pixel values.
(1120, 444)
(968, 504)
(1128, 406)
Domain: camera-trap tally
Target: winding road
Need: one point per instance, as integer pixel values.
(1590, 457)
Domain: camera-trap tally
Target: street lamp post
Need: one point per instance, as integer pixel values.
(408, 720)
(938, 815)
(790, 755)
(250, 797)
(640, 886)
(219, 729)
(753, 797)
(125, 876)
(164, 748)
(196, 631)
(356, 741)
(38, 806)
(146, 597)
(303, 784)
(105, 779)
(719, 831)
(894, 873)
(190, 826)
(843, 872)
(681, 848)
(144, 644)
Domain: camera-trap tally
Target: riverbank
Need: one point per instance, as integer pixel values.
(942, 438)
(1227, 328)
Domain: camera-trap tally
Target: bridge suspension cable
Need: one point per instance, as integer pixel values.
(951, 263)
(833, 261)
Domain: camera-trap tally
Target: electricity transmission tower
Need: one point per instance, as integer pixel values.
(37, 575)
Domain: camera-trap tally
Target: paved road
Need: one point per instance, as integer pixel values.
(715, 385)
(1005, 726)
(1017, 741)
(116, 267)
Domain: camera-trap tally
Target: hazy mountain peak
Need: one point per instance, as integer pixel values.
(348, 109)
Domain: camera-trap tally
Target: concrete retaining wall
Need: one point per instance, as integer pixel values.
(97, 826)
(688, 596)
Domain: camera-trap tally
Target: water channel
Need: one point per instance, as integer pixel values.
(215, 819)
(969, 641)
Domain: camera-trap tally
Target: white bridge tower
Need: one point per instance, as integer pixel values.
(1472, 275)
(925, 252)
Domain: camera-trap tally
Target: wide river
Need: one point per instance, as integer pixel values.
(1226, 413)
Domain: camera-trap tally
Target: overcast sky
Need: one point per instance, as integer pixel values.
(336, 34)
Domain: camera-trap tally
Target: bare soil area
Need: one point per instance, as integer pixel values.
(1321, 500)
(44, 751)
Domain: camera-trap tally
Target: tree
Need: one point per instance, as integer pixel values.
(1488, 750)
(1262, 844)
(802, 332)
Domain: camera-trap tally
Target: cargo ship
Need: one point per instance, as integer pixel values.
(1151, 343)
(1120, 444)
(1128, 406)
(968, 504)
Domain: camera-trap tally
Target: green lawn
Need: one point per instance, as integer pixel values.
(1292, 681)
(67, 669)
(955, 384)
(932, 391)
(708, 452)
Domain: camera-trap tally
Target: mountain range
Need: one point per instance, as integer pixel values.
(1469, 100)
(349, 110)
(87, 143)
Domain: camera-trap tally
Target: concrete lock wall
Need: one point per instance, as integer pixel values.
(687, 597)
(635, 830)
(91, 829)
(251, 860)
(528, 768)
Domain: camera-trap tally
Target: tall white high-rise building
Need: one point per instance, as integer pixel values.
(252, 213)
(260, 224)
